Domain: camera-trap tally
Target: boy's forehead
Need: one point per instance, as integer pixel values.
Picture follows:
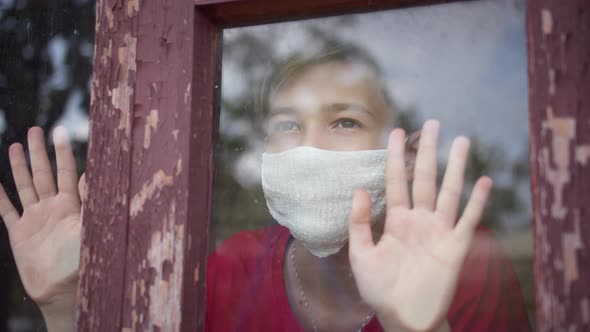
(330, 77)
(336, 82)
(338, 71)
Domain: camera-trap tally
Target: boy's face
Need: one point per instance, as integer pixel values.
(331, 106)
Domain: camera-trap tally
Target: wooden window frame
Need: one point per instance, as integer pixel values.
(154, 121)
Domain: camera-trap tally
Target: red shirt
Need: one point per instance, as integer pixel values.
(246, 291)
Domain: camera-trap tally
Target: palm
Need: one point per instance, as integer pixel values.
(411, 273)
(45, 240)
(413, 264)
(49, 249)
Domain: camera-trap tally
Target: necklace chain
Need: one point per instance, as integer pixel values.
(306, 302)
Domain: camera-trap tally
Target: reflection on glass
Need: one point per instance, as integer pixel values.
(307, 108)
(46, 52)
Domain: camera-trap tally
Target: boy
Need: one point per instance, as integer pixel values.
(353, 252)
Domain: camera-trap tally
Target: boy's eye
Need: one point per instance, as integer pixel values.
(348, 123)
(284, 126)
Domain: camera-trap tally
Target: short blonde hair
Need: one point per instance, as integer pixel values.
(295, 65)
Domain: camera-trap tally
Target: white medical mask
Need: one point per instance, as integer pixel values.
(309, 191)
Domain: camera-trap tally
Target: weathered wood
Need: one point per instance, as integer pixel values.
(153, 127)
(172, 153)
(232, 13)
(559, 63)
(206, 95)
(153, 124)
(104, 239)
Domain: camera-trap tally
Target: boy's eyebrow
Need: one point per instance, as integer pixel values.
(282, 110)
(334, 107)
(339, 107)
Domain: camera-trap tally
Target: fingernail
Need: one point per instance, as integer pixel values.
(462, 140)
(14, 148)
(396, 134)
(60, 136)
(432, 124)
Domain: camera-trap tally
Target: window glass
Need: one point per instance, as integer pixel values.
(341, 84)
(46, 52)
(463, 64)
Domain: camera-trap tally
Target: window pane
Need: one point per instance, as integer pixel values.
(295, 93)
(45, 68)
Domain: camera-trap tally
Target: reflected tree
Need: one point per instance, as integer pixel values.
(45, 62)
(251, 54)
(248, 55)
(45, 68)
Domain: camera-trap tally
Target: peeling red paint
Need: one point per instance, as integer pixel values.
(165, 257)
(132, 7)
(107, 53)
(562, 131)
(149, 189)
(559, 58)
(105, 212)
(187, 94)
(571, 242)
(178, 167)
(139, 246)
(546, 21)
(583, 154)
(151, 123)
(162, 145)
(110, 16)
(121, 95)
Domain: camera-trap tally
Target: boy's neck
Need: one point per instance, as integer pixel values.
(329, 277)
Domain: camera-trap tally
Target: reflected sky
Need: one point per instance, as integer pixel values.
(463, 63)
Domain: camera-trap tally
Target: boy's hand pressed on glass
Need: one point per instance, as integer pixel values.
(45, 239)
(409, 276)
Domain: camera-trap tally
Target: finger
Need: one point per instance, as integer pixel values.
(8, 212)
(475, 206)
(359, 222)
(82, 188)
(449, 197)
(424, 185)
(40, 166)
(395, 174)
(411, 146)
(22, 176)
(67, 174)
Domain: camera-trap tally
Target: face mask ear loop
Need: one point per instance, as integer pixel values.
(411, 144)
